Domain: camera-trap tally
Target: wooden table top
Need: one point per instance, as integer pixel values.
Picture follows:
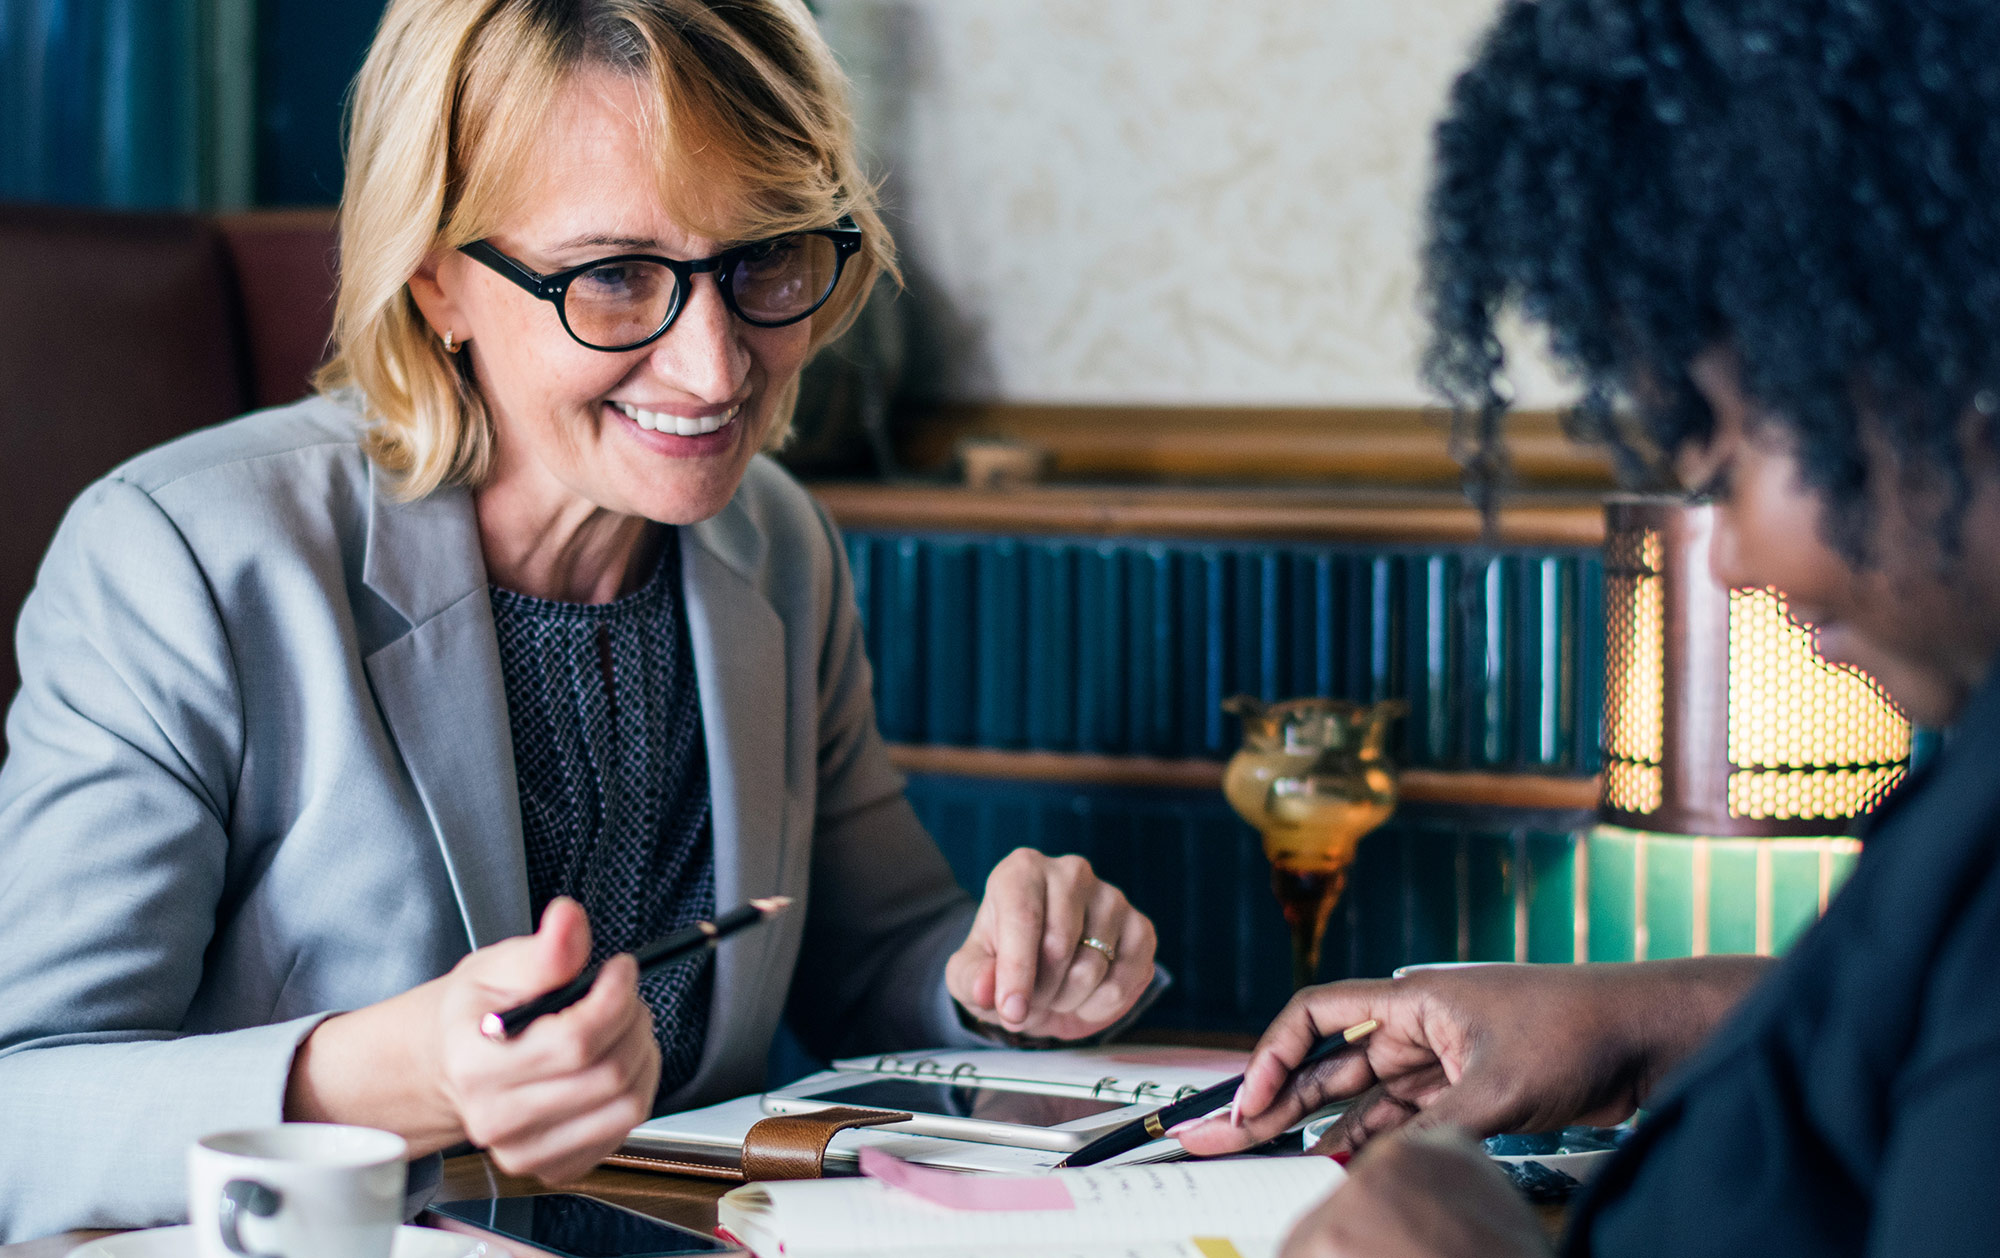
(678, 1199)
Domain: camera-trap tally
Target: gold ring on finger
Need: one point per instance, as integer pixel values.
(1110, 953)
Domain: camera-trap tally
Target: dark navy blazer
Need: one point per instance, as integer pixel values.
(1852, 1106)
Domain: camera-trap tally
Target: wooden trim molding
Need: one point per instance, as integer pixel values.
(1499, 790)
(1388, 446)
(1423, 786)
(1417, 517)
(1069, 768)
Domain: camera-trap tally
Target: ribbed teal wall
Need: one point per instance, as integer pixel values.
(1129, 647)
(1435, 884)
(128, 103)
(1432, 885)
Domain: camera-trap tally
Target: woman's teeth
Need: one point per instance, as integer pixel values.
(678, 425)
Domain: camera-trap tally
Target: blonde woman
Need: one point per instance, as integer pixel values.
(511, 630)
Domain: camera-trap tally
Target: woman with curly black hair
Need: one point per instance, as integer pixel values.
(1765, 236)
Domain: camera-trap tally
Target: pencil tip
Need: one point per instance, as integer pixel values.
(771, 904)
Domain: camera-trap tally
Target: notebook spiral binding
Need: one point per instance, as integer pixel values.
(966, 1074)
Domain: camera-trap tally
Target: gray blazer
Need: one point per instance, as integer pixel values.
(260, 771)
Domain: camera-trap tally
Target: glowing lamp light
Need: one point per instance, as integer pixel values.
(1720, 717)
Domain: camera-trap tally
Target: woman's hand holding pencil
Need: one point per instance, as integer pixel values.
(524, 1049)
(550, 1102)
(1191, 1109)
(1487, 1049)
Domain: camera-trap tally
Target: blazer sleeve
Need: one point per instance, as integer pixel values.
(885, 912)
(125, 742)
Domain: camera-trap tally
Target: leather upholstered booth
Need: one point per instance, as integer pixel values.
(119, 331)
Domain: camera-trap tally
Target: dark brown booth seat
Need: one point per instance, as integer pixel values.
(119, 331)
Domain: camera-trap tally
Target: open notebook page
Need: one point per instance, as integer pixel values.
(1255, 1199)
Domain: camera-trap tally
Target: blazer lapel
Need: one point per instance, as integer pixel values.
(441, 694)
(739, 655)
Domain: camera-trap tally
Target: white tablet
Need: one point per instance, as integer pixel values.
(985, 1112)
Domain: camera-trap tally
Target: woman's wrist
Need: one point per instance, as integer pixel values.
(374, 1067)
(1674, 1007)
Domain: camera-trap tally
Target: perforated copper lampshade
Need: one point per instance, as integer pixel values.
(1720, 717)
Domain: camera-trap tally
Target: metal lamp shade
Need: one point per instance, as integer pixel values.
(1720, 717)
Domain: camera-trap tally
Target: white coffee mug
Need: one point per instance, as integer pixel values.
(296, 1190)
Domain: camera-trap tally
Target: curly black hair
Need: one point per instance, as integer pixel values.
(1814, 184)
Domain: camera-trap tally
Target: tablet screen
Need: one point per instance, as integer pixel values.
(1025, 1109)
(578, 1227)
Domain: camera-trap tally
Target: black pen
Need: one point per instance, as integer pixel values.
(1154, 1125)
(509, 1023)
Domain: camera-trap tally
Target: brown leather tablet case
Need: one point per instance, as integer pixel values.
(786, 1146)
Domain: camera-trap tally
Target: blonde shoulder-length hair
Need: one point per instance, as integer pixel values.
(746, 99)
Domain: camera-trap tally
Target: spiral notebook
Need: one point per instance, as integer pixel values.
(1132, 1074)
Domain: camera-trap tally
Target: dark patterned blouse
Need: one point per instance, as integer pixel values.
(612, 768)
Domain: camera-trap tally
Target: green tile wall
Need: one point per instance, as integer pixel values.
(1653, 896)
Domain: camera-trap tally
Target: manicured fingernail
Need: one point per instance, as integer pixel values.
(1189, 1125)
(1015, 1009)
(1341, 1159)
(1236, 1108)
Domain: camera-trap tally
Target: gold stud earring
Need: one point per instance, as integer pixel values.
(450, 343)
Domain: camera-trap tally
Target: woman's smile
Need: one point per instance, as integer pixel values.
(700, 423)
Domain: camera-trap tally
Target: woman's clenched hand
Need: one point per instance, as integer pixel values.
(551, 1102)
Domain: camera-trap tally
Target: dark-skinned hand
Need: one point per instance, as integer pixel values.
(1488, 1049)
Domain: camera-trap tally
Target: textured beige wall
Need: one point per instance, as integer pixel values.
(1158, 201)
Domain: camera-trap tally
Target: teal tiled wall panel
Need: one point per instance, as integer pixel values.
(1651, 896)
(1129, 647)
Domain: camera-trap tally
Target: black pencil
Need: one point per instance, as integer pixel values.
(507, 1024)
(1154, 1125)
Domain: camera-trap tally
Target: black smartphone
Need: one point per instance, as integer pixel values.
(570, 1225)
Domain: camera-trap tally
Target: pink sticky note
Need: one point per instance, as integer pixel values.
(956, 1190)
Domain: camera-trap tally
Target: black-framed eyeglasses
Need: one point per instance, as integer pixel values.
(623, 302)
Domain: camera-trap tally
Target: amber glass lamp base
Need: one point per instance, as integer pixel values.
(1312, 778)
